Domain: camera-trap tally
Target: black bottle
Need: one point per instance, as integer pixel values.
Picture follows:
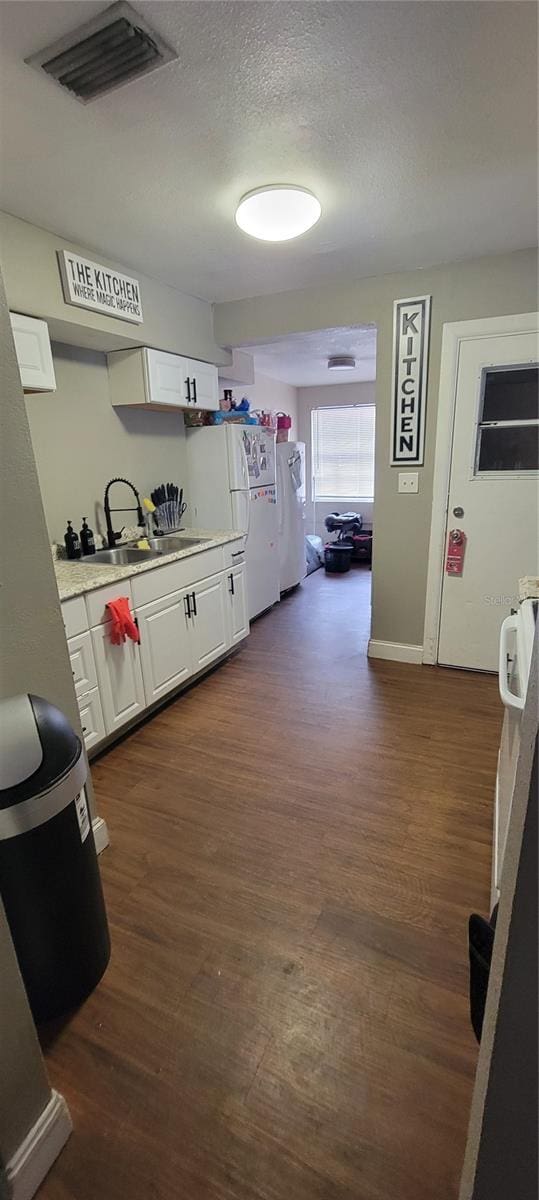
(72, 543)
(87, 538)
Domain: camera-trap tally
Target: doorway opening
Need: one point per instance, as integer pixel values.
(324, 380)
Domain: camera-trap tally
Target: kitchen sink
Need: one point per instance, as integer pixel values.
(168, 544)
(121, 556)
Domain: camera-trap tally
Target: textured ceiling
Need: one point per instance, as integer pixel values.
(302, 358)
(413, 122)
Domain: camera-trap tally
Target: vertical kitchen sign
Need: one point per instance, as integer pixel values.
(88, 284)
(411, 322)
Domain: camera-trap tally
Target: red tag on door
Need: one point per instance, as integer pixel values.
(456, 545)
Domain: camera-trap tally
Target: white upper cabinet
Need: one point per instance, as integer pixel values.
(156, 379)
(34, 355)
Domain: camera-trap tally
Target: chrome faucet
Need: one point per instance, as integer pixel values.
(112, 537)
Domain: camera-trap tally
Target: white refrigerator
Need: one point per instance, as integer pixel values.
(291, 513)
(231, 485)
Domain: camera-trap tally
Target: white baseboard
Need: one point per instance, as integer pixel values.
(29, 1165)
(101, 834)
(395, 651)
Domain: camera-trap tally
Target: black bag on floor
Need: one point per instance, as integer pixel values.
(481, 941)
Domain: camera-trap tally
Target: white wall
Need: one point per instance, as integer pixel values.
(80, 442)
(310, 398)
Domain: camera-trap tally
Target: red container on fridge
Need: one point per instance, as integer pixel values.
(284, 424)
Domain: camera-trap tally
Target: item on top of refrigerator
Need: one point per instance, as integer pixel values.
(235, 415)
(226, 403)
(87, 538)
(284, 425)
(72, 543)
(266, 418)
(193, 419)
(243, 406)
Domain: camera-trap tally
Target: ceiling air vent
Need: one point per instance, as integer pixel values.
(103, 54)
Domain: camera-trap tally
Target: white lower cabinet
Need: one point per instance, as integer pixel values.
(81, 657)
(209, 631)
(237, 604)
(120, 678)
(91, 718)
(165, 644)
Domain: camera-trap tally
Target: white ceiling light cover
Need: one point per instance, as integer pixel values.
(278, 213)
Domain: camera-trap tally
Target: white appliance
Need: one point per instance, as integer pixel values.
(291, 513)
(516, 642)
(231, 485)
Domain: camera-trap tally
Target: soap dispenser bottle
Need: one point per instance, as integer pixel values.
(72, 543)
(87, 538)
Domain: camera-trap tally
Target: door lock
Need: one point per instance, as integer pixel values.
(458, 511)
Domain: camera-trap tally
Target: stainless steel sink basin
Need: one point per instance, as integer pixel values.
(121, 556)
(169, 544)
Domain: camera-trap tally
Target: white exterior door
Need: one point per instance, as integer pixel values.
(237, 604)
(492, 499)
(120, 678)
(208, 621)
(165, 645)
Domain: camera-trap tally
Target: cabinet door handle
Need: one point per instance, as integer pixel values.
(194, 390)
(84, 730)
(231, 577)
(187, 603)
(188, 396)
(194, 604)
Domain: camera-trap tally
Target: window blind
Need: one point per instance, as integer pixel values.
(343, 452)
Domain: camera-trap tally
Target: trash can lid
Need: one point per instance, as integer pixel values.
(38, 747)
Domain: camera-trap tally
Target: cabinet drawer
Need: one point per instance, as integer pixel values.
(74, 616)
(96, 601)
(161, 581)
(91, 718)
(234, 553)
(81, 656)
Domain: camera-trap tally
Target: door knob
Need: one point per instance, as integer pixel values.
(458, 511)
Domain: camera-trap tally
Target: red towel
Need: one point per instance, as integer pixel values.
(123, 624)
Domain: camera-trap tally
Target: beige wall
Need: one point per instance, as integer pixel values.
(33, 657)
(172, 320)
(310, 398)
(80, 442)
(460, 291)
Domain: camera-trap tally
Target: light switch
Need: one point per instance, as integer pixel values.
(408, 481)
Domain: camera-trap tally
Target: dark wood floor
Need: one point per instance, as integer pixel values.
(296, 846)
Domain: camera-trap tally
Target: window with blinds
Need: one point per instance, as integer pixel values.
(343, 452)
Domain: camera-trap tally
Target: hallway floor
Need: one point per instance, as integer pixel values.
(297, 844)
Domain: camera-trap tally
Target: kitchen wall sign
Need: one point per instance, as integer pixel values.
(90, 285)
(411, 322)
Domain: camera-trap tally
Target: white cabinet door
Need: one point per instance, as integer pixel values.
(209, 630)
(203, 384)
(34, 355)
(165, 644)
(167, 379)
(81, 656)
(91, 718)
(120, 678)
(238, 621)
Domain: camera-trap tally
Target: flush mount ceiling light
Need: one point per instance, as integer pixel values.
(277, 213)
(341, 362)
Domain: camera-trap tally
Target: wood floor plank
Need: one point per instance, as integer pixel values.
(297, 843)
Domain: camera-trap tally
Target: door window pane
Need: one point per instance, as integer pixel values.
(511, 394)
(508, 448)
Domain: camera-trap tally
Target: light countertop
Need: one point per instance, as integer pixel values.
(74, 578)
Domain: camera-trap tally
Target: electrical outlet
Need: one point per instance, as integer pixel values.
(408, 481)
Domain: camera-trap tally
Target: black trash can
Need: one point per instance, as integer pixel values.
(337, 557)
(49, 874)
